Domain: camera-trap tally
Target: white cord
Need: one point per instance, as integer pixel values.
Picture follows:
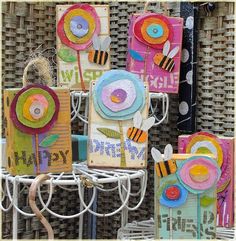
(22, 212)
(166, 98)
(76, 110)
(74, 215)
(116, 211)
(143, 191)
(11, 200)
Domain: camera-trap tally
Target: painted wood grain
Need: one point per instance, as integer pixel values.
(68, 73)
(181, 222)
(20, 146)
(104, 151)
(159, 80)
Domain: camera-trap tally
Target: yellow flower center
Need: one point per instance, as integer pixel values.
(199, 173)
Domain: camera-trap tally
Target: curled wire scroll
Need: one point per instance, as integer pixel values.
(118, 176)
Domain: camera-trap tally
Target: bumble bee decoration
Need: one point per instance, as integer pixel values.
(138, 133)
(99, 55)
(164, 166)
(165, 59)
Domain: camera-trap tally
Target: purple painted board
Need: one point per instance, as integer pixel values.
(159, 80)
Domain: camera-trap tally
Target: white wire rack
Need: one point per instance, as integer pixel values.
(79, 178)
(78, 96)
(144, 230)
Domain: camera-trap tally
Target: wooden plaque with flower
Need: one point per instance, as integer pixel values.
(185, 196)
(223, 148)
(118, 113)
(38, 131)
(83, 40)
(154, 50)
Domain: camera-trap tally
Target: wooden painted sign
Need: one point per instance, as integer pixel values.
(185, 195)
(118, 121)
(38, 131)
(83, 53)
(223, 149)
(188, 74)
(154, 50)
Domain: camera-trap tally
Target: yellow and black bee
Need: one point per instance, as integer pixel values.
(164, 167)
(165, 60)
(99, 55)
(138, 133)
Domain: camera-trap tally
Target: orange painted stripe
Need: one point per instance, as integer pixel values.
(137, 135)
(163, 168)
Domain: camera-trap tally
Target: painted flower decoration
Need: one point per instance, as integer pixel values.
(206, 143)
(78, 25)
(173, 196)
(198, 174)
(118, 95)
(34, 109)
(153, 30)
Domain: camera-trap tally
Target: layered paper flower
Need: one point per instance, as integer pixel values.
(206, 143)
(77, 26)
(34, 109)
(198, 174)
(173, 196)
(118, 95)
(153, 30)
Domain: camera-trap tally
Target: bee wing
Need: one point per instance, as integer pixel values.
(138, 119)
(148, 123)
(173, 52)
(106, 43)
(156, 155)
(96, 42)
(166, 48)
(168, 152)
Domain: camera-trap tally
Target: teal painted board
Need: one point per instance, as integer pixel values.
(184, 218)
(79, 147)
(185, 209)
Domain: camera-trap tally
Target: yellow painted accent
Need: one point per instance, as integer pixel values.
(133, 134)
(199, 138)
(199, 173)
(91, 26)
(115, 99)
(172, 166)
(157, 170)
(157, 58)
(163, 168)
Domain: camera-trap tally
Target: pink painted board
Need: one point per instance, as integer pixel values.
(159, 80)
(225, 199)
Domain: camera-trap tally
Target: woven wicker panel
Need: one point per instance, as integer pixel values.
(215, 109)
(63, 202)
(27, 26)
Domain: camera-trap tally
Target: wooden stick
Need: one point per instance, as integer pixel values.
(122, 146)
(32, 194)
(37, 154)
(80, 72)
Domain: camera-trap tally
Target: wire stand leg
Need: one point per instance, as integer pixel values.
(14, 211)
(124, 212)
(81, 217)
